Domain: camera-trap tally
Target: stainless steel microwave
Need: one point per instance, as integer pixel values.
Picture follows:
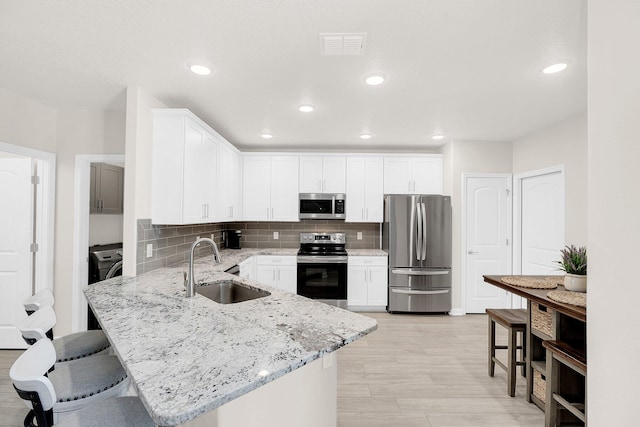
(322, 206)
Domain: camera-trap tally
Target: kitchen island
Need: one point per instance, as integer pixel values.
(189, 357)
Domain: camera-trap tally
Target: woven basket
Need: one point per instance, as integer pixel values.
(541, 319)
(539, 385)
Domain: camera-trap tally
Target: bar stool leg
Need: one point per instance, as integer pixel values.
(523, 353)
(492, 346)
(511, 363)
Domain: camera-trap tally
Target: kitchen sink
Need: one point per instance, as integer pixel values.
(230, 292)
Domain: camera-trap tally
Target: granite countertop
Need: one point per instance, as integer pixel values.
(366, 252)
(231, 257)
(188, 356)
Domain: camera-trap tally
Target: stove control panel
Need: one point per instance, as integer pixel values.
(326, 238)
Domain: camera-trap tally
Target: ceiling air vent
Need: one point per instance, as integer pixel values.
(342, 43)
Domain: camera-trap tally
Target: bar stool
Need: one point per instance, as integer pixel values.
(38, 300)
(515, 320)
(564, 362)
(69, 347)
(40, 394)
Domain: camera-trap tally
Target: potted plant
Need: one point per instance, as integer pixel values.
(574, 264)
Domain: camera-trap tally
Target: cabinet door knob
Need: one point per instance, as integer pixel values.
(470, 252)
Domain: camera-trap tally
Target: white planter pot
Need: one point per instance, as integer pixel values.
(575, 283)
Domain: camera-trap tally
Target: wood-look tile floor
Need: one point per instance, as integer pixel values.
(427, 371)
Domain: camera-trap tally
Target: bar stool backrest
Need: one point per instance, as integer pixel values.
(28, 376)
(39, 325)
(37, 301)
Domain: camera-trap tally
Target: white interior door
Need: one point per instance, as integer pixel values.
(488, 235)
(16, 225)
(541, 221)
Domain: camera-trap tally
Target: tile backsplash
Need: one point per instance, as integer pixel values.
(171, 243)
(260, 234)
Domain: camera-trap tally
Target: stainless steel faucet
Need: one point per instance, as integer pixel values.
(191, 282)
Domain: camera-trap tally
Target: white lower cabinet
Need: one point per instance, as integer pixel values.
(277, 271)
(367, 282)
(247, 270)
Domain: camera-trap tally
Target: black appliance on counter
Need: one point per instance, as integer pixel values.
(232, 239)
(322, 268)
(105, 262)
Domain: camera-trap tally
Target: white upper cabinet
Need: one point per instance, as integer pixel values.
(183, 188)
(364, 189)
(228, 183)
(413, 175)
(270, 188)
(320, 174)
(284, 188)
(256, 188)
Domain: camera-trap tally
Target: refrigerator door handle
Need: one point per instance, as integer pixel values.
(409, 292)
(421, 273)
(424, 232)
(418, 232)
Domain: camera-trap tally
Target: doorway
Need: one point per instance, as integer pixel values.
(539, 222)
(27, 188)
(486, 239)
(81, 232)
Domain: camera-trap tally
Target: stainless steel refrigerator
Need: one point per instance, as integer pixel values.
(416, 233)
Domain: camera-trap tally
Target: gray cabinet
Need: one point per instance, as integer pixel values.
(106, 191)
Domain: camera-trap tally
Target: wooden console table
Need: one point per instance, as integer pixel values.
(563, 325)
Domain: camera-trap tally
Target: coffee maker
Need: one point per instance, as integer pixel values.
(232, 239)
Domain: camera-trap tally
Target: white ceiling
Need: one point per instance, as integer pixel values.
(469, 68)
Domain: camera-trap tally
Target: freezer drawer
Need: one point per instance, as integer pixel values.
(408, 300)
(420, 278)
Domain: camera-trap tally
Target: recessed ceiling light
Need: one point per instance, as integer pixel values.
(306, 108)
(366, 136)
(266, 135)
(374, 79)
(555, 68)
(199, 69)
(437, 136)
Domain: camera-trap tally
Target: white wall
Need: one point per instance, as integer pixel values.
(78, 132)
(105, 229)
(613, 212)
(137, 179)
(28, 123)
(564, 143)
(468, 157)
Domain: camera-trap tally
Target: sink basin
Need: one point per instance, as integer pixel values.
(230, 292)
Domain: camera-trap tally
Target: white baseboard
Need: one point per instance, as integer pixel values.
(457, 312)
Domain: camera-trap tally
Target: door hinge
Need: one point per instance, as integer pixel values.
(33, 247)
(507, 242)
(35, 179)
(508, 192)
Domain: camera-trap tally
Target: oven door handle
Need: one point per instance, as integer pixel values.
(323, 260)
(409, 292)
(421, 273)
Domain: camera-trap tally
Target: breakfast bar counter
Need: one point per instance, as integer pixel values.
(189, 356)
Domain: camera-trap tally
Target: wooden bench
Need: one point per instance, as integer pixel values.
(515, 320)
(560, 354)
